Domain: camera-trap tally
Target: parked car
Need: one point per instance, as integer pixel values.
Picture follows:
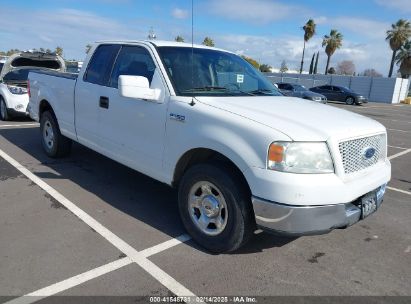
(13, 80)
(240, 154)
(297, 90)
(339, 93)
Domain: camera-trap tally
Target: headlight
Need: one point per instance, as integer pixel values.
(300, 157)
(17, 90)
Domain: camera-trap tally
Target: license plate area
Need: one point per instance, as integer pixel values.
(369, 204)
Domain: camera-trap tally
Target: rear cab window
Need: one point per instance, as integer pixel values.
(100, 66)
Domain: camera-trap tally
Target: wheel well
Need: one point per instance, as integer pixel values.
(202, 155)
(44, 106)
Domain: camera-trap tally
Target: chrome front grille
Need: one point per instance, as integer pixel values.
(353, 152)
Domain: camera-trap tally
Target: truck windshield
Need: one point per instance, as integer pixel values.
(215, 73)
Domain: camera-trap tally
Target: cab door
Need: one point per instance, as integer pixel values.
(88, 95)
(132, 130)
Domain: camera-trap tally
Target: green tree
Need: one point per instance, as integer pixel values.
(12, 51)
(59, 51)
(399, 33)
(88, 48)
(252, 61)
(312, 64)
(309, 32)
(284, 67)
(208, 42)
(403, 59)
(316, 63)
(331, 70)
(331, 43)
(179, 39)
(265, 68)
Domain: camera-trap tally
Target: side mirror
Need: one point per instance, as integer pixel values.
(137, 87)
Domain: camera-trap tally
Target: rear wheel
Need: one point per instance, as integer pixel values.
(215, 208)
(4, 114)
(55, 145)
(350, 100)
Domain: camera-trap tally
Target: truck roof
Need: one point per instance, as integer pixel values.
(160, 43)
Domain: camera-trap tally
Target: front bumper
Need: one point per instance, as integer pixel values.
(361, 100)
(308, 220)
(18, 113)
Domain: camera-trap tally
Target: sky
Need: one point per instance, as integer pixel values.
(269, 31)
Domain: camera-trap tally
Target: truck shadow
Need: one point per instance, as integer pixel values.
(130, 192)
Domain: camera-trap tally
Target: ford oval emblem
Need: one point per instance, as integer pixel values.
(369, 153)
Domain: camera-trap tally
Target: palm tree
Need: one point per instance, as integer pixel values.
(403, 59)
(309, 32)
(332, 43)
(399, 33)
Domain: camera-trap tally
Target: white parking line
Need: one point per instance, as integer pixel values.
(399, 130)
(20, 125)
(399, 154)
(71, 282)
(164, 246)
(399, 190)
(157, 273)
(95, 273)
(395, 147)
(394, 120)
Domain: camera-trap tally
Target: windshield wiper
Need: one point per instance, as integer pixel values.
(261, 91)
(216, 88)
(207, 88)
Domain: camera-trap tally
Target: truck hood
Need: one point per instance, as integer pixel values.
(33, 60)
(301, 120)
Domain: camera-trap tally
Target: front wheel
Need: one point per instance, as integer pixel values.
(350, 100)
(4, 114)
(55, 145)
(215, 208)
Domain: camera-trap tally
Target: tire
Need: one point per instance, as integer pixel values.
(4, 113)
(350, 100)
(219, 197)
(54, 144)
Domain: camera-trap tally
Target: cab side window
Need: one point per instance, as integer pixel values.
(99, 68)
(132, 61)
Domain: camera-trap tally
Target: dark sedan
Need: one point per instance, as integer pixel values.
(339, 93)
(297, 90)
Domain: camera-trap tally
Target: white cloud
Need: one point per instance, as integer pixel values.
(365, 27)
(179, 13)
(272, 50)
(256, 11)
(402, 6)
(70, 29)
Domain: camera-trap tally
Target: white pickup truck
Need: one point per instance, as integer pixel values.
(205, 121)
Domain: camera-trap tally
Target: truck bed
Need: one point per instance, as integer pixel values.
(56, 74)
(58, 89)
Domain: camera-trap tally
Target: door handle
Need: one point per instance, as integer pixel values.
(104, 102)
